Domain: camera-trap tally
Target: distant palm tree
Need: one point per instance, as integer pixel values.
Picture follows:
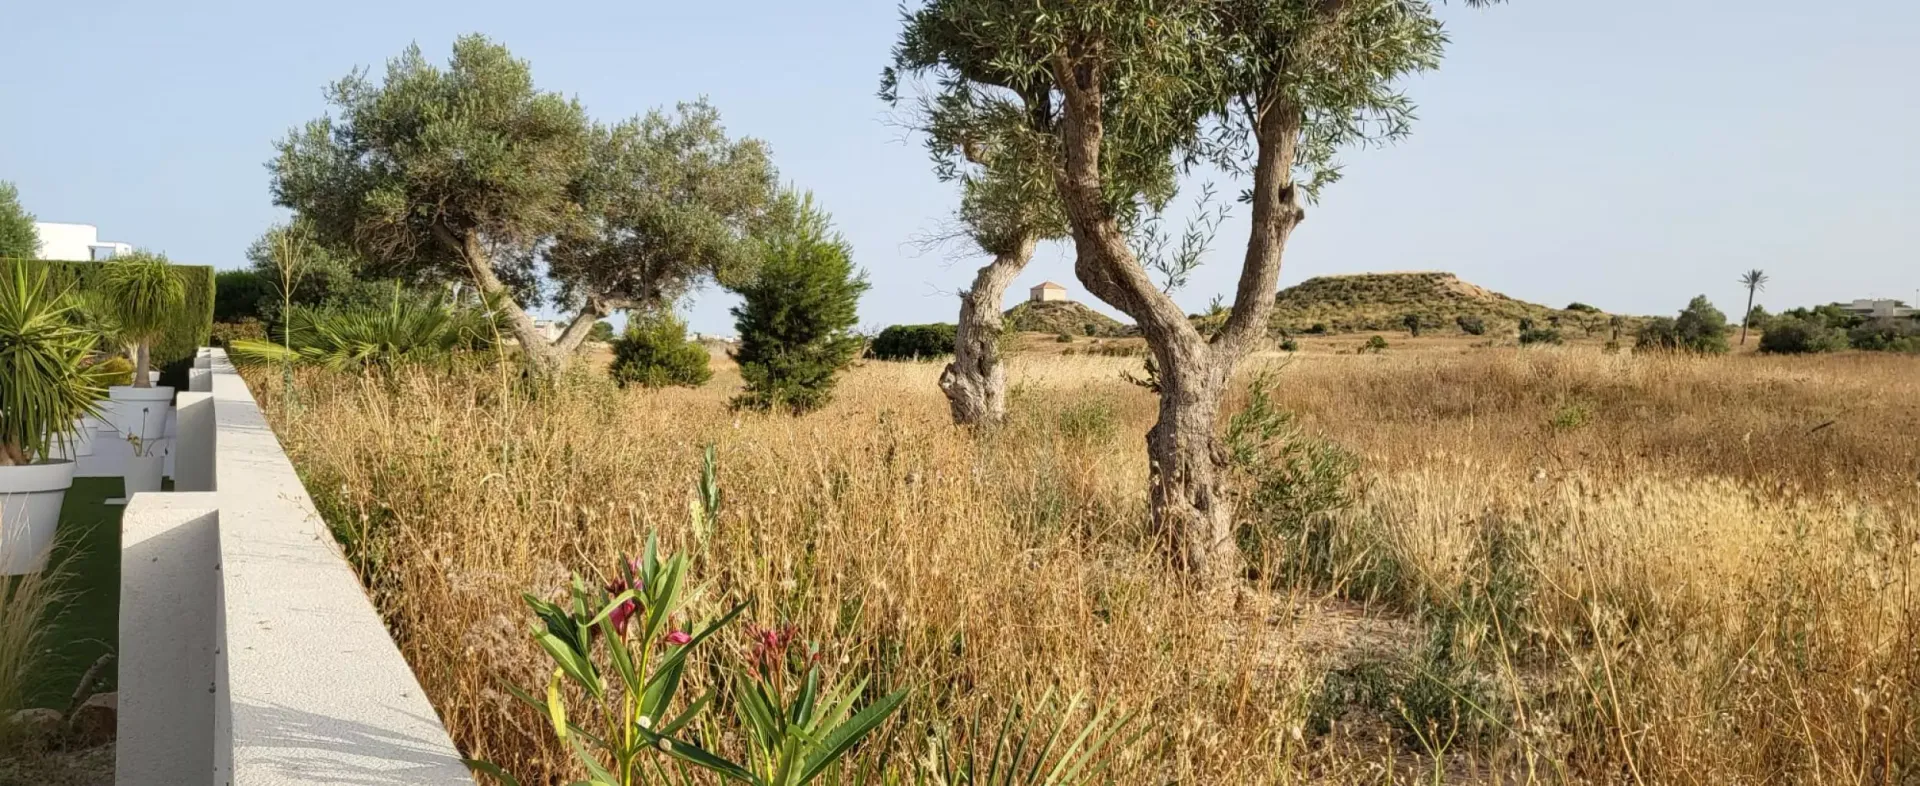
(1754, 280)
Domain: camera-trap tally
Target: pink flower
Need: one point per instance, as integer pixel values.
(627, 609)
(679, 638)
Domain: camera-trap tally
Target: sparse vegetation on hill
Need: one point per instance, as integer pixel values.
(1064, 316)
(1370, 302)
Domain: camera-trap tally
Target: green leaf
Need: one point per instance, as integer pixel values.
(571, 662)
(492, 770)
(556, 706)
(693, 754)
(844, 736)
(593, 765)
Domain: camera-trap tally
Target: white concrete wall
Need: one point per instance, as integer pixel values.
(308, 687)
(169, 578)
(70, 242)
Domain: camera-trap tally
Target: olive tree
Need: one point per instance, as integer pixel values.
(470, 172)
(1268, 90)
(991, 125)
(666, 201)
(19, 239)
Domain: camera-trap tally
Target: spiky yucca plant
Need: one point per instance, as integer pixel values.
(43, 383)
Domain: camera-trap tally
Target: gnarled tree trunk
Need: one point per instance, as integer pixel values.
(1187, 464)
(543, 358)
(976, 381)
(1188, 497)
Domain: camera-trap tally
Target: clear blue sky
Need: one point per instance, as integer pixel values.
(1629, 154)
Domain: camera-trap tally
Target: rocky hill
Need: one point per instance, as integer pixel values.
(1375, 302)
(1064, 316)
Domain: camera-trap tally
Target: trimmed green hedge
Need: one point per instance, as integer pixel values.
(192, 328)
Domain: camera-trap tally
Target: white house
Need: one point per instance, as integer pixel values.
(76, 243)
(1879, 309)
(1049, 291)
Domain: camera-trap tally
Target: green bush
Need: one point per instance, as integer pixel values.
(1374, 344)
(913, 342)
(241, 294)
(1533, 336)
(1794, 335)
(602, 332)
(1887, 335)
(1700, 328)
(115, 371)
(1471, 325)
(190, 328)
(247, 329)
(1582, 308)
(1287, 482)
(797, 315)
(654, 353)
(1289, 345)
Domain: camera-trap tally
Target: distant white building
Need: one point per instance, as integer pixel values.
(549, 328)
(1879, 309)
(1048, 291)
(76, 243)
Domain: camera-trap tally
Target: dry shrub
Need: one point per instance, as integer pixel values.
(1708, 581)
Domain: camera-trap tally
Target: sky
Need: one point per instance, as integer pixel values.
(1628, 153)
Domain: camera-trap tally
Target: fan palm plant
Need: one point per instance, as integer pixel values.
(408, 330)
(42, 353)
(144, 292)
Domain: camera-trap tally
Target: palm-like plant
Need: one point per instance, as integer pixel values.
(44, 386)
(408, 330)
(145, 292)
(1754, 280)
(1022, 751)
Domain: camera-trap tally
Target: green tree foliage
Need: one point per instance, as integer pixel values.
(654, 353)
(1375, 344)
(471, 173)
(1758, 318)
(18, 238)
(1790, 335)
(796, 321)
(144, 292)
(602, 332)
(1471, 325)
(913, 342)
(241, 294)
(1582, 308)
(666, 201)
(442, 174)
(1700, 328)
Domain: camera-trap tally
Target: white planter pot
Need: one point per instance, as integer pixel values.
(78, 443)
(143, 473)
(140, 412)
(30, 498)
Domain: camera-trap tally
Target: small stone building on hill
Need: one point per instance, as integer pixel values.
(1049, 291)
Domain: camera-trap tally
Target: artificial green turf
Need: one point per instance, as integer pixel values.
(87, 553)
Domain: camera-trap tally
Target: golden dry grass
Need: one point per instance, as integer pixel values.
(1613, 569)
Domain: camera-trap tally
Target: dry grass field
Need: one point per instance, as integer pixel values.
(1545, 566)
